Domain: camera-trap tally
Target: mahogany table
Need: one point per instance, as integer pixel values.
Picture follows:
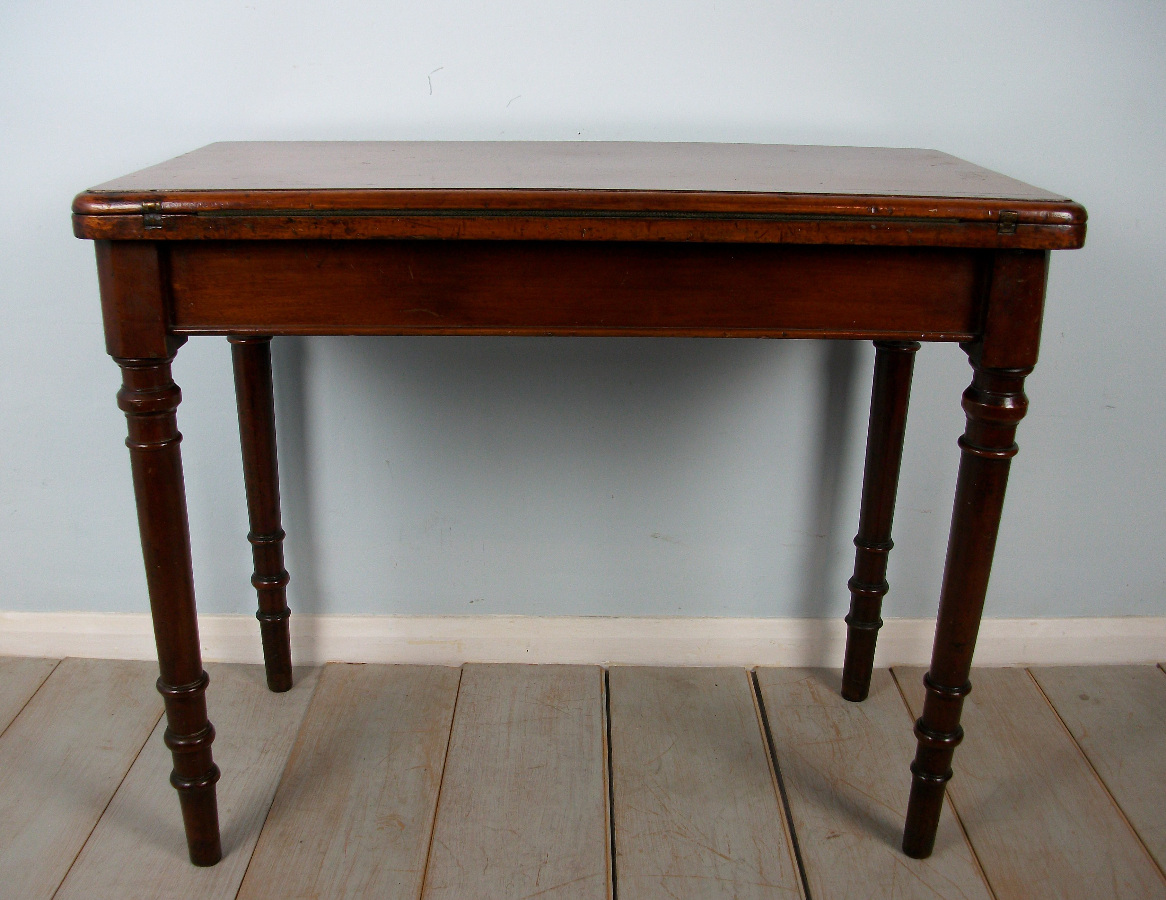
(251, 240)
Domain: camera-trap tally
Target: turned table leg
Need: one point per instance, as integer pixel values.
(994, 404)
(150, 399)
(251, 357)
(894, 361)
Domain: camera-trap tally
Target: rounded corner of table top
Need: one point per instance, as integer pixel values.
(1078, 218)
(92, 211)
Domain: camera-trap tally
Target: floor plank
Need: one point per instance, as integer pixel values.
(523, 806)
(62, 759)
(138, 848)
(354, 810)
(1040, 821)
(697, 813)
(1117, 715)
(19, 679)
(844, 767)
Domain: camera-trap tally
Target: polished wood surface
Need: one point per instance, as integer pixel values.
(255, 399)
(315, 166)
(564, 288)
(894, 362)
(258, 240)
(994, 404)
(578, 191)
(149, 397)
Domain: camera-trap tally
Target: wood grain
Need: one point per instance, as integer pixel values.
(354, 810)
(60, 762)
(844, 767)
(19, 679)
(491, 287)
(578, 166)
(577, 191)
(138, 848)
(1117, 716)
(1035, 812)
(524, 806)
(696, 812)
(993, 404)
(149, 398)
(886, 430)
(255, 401)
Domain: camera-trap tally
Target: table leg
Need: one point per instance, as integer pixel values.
(995, 403)
(150, 400)
(251, 357)
(894, 361)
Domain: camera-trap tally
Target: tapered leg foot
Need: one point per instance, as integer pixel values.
(150, 400)
(195, 773)
(200, 806)
(251, 358)
(931, 768)
(994, 404)
(894, 361)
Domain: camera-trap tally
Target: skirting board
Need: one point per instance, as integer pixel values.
(452, 640)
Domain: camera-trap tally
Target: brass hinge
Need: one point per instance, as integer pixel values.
(1006, 224)
(151, 214)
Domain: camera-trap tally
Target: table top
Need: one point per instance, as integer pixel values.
(578, 190)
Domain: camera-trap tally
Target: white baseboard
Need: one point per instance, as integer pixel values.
(452, 640)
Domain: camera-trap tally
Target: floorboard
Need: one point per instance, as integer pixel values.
(1039, 819)
(697, 813)
(354, 810)
(845, 770)
(491, 781)
(19, 679)
(523, 809)
(61, 760)
(1117, 716)
(138, 849)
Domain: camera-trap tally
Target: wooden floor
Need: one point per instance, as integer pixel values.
(572, 783)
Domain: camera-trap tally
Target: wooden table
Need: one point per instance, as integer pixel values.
(251, 240)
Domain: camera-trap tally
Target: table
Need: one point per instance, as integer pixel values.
(251, 240)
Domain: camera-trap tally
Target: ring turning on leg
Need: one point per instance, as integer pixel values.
(251, 358)
(150, 401)
(894, 361)
(994, 404)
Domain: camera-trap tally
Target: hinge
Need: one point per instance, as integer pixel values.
(1007, 221)
(151, 214)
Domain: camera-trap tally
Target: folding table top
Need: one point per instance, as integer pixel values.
(578, 190)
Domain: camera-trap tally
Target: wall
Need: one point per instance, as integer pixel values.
(554, 476)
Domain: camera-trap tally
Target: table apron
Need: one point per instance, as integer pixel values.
(552, 287)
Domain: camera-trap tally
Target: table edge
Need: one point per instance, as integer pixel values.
(580, 215)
